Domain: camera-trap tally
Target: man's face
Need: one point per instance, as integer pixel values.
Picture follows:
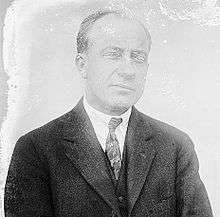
(116, 64)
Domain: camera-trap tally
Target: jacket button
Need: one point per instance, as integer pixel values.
(121, 199)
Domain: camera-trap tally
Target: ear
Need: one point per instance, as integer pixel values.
(146, 72)
(147, 66)
(81, 64)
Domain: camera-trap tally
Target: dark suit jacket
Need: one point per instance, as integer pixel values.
(59, 170)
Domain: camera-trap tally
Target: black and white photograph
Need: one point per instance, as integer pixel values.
(109, 108)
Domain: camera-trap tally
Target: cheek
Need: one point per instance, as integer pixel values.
(97, 81)
(141, 80)
(101, 76)
(141, 77)
(108, 67)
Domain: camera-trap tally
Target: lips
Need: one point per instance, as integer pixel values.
(123, 86)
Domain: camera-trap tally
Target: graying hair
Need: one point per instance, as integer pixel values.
(88, 22)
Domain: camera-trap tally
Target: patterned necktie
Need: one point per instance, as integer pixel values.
(112, 146)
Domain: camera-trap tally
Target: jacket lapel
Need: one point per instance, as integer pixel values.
(141, 152)
(82, 147)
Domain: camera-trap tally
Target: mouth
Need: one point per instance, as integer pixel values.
(122, 86)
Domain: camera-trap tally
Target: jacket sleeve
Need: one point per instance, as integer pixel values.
(27, 191)
(192, 198)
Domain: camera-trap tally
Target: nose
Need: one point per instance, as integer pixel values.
(126, 69)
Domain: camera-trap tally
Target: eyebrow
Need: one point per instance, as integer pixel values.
(114, 48)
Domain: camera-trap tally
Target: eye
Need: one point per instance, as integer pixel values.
(112, 53)
(139, 56)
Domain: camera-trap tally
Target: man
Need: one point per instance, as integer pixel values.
(105, 158)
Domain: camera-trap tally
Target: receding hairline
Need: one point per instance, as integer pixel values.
(120, 15)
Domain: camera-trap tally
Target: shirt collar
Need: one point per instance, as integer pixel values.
(104, 118)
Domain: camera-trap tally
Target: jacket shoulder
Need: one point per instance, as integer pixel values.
(50, 130)
(166, 132)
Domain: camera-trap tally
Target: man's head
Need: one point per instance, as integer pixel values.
(113, 59)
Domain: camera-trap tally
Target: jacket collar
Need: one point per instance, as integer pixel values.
(141, 151)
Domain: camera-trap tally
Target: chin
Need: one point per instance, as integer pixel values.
(121, 104)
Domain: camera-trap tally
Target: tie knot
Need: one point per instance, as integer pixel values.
(114, 122)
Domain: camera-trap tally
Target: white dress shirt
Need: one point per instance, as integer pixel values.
(100, 124)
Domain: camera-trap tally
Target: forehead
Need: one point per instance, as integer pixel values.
(113, 30)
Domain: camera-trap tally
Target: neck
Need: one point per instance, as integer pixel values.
(112, 111)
